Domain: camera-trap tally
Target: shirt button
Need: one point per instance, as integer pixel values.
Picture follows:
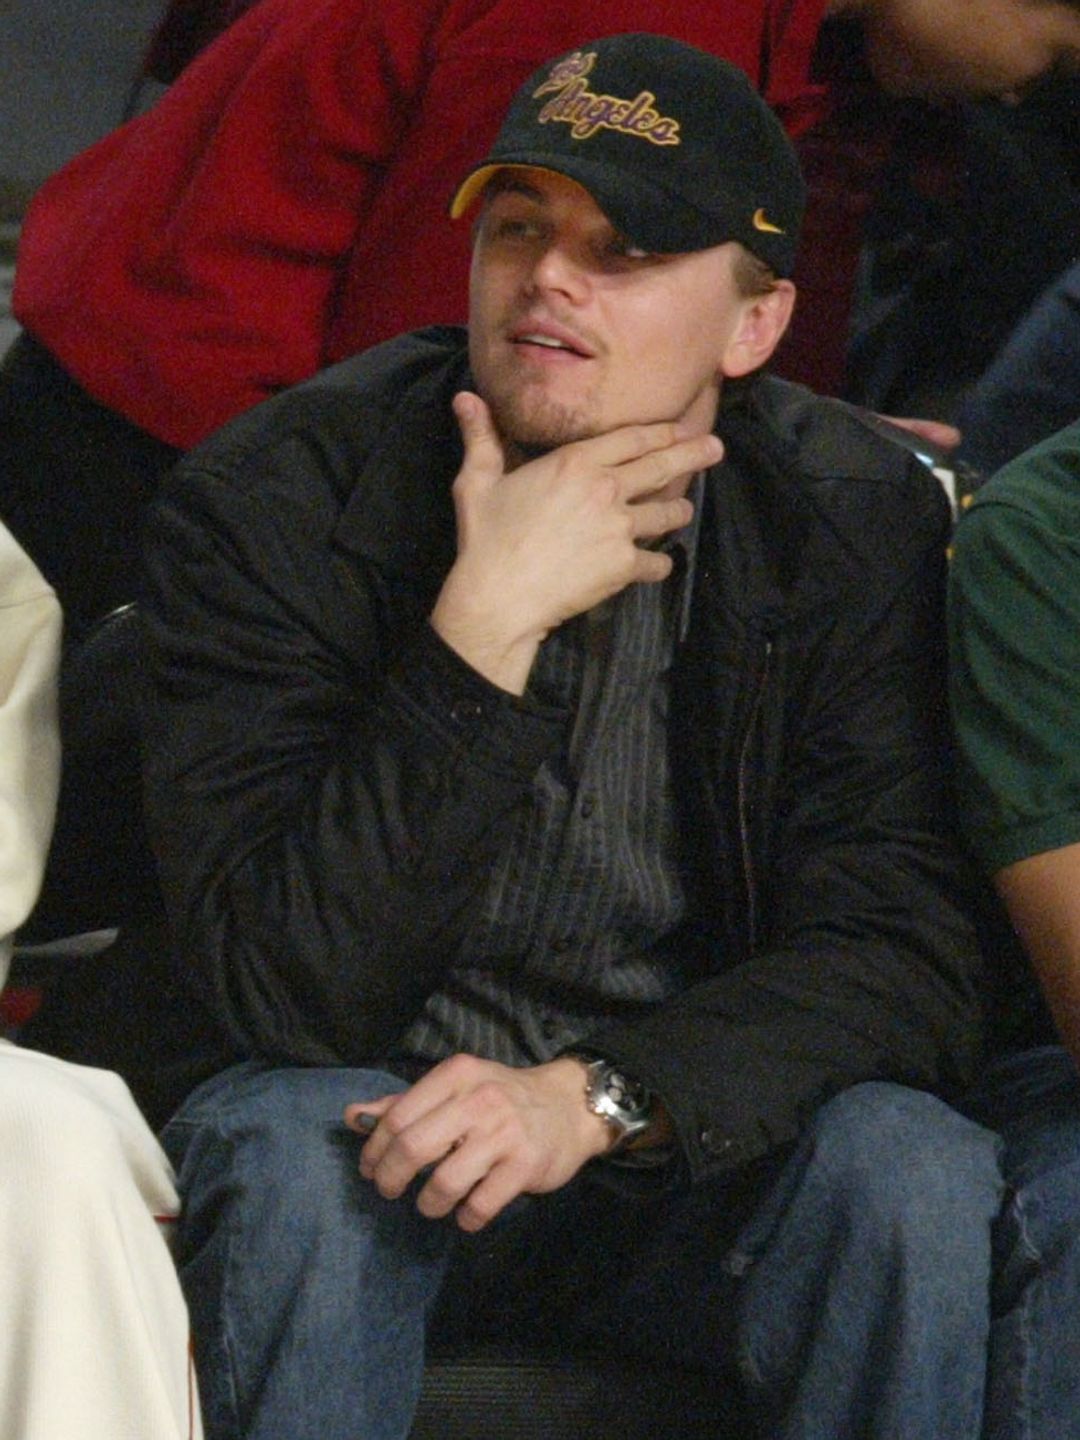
(714, 1144)
(466, 712)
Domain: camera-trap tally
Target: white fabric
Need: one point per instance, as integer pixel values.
(94, 1335)
(29, 746)
(93, 1328)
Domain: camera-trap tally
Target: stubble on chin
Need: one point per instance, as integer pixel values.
(536, 426)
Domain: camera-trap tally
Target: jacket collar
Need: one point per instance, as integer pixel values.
(399, 515)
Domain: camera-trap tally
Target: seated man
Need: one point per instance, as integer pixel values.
(94, 1339)
(1015, 644)
(546, 764)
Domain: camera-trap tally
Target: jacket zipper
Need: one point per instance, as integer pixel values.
(743, 796)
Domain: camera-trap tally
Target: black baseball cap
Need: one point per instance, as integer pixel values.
(674, 144)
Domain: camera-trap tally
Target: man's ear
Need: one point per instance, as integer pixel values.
(760, 329)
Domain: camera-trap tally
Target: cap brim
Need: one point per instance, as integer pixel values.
(471, 188)
(645, 214)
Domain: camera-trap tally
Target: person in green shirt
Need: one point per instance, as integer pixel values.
(1014, 625)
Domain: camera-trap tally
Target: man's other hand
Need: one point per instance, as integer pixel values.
(485, 1132)
(936, 432)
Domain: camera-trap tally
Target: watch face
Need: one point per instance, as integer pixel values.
(626, 1094)
(626, 1103)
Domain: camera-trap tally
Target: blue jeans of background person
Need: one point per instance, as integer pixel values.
(848, 1285)
(1033, 1099)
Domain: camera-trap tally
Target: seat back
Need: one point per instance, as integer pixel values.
(100, 872)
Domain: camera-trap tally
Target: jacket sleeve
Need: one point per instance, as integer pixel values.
(327, 783)
(225, 214)
(863, 964)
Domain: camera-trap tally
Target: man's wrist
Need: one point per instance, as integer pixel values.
(506, 661)
(635, 1118)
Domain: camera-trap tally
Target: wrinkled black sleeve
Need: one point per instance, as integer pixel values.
(327, 783)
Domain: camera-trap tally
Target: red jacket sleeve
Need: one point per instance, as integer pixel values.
(182, 269)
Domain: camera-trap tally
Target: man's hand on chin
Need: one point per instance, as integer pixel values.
(486, 1133)
(557, 535)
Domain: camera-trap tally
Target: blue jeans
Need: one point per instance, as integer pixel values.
(848, 1286)
(1033, 1100)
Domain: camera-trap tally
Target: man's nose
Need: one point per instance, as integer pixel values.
(560, 269)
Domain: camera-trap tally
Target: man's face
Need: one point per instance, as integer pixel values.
(573, 332)
(938, 48)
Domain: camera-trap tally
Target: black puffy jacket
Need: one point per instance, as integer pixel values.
(328, 784)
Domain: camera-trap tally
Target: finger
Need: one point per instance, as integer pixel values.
(393, 1158)
(650, 519)
(500, 1186)
(397, 1171)
(462, 1168)
(650, 567)
(363, 1115)
(630, 442)
(659, 468)
(397, 1112)
(364, 1118)
(937, 432)
(483, 448)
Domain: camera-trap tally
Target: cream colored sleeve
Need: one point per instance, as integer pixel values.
(30, 626)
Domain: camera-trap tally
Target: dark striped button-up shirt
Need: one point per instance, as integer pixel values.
(566, 932)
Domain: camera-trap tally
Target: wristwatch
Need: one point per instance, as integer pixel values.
(626, 1104)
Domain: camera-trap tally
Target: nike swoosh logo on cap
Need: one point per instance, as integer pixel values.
(760, 223)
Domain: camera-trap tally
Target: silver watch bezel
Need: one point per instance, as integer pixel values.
(627, 1120)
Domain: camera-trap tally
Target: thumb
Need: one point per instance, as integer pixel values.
(483, 448)
(363, 1115)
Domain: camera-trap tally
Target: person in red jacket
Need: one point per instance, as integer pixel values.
(284, 206)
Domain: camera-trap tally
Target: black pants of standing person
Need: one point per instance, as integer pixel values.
(74, 481)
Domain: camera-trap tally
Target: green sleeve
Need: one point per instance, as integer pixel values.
(1014, 632)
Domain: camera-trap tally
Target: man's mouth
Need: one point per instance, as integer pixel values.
(550, 338)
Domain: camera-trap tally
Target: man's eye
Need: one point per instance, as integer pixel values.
(619, 248)
(513, 228)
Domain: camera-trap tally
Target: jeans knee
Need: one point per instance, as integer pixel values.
(900, 1157)
(271, 1146)
(865, 1275)
(286, 1253)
